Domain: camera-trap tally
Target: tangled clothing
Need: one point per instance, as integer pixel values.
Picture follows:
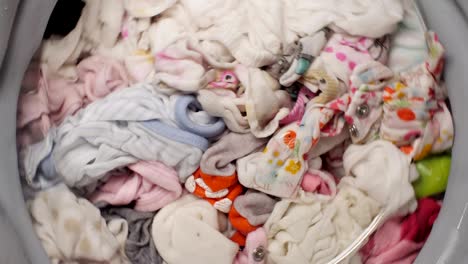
(183, 67)
(123, 128)
(185, 230)
(383, 159)
(256, 32)
(72, 230)
(314, 230)
(399, 240)
(220, 191)
(263, 102)
(298, 110)
(343, 53)
(217, 160)
(49, 98)
(139, 246)
(99, 26)
(415, 114)
(152, 185)
(278, 170)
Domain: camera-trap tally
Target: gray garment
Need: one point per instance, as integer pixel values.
(19, 244)
(217, 159)
(255, 206)
(139, 247)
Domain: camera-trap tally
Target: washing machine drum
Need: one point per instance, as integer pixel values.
(22, 25)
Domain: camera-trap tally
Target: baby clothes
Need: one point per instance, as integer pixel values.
(152, 185)
(399, 240)
(72, 230)
(188, 231)
(415, 114)
(257, 42)
(344, 52)
(259, 109)
(128, 126)
(139, 245)
(383, 159)
(414, 117)
(254, 250)
(278, 170)
(249, 212)
(49, 98)
(316, 230)
(98, 27)
(217, 160)
(219, 191)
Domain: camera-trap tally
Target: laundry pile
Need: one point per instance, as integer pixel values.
(235, 131)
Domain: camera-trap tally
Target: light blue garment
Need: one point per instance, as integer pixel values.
(176, 134)
(182, 107)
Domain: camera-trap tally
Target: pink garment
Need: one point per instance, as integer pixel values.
(298, 110)
(319, 181)
(399, 240)
(254, 240)
(152, 186)
(49, 98)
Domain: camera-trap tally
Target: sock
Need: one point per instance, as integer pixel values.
(217, 160)
(256, 207)
(139, 245)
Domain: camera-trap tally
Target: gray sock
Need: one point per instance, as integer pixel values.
(217, 159)
(139, 246)
(255, 206)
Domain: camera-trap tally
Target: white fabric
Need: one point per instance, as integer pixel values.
(147, 8)
(72, 230)
(98, 27)
(188, 231)
(382, 171)
(259, 109)
(256, 31)
(314, 230)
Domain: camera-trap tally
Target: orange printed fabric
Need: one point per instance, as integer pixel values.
(220, 191)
